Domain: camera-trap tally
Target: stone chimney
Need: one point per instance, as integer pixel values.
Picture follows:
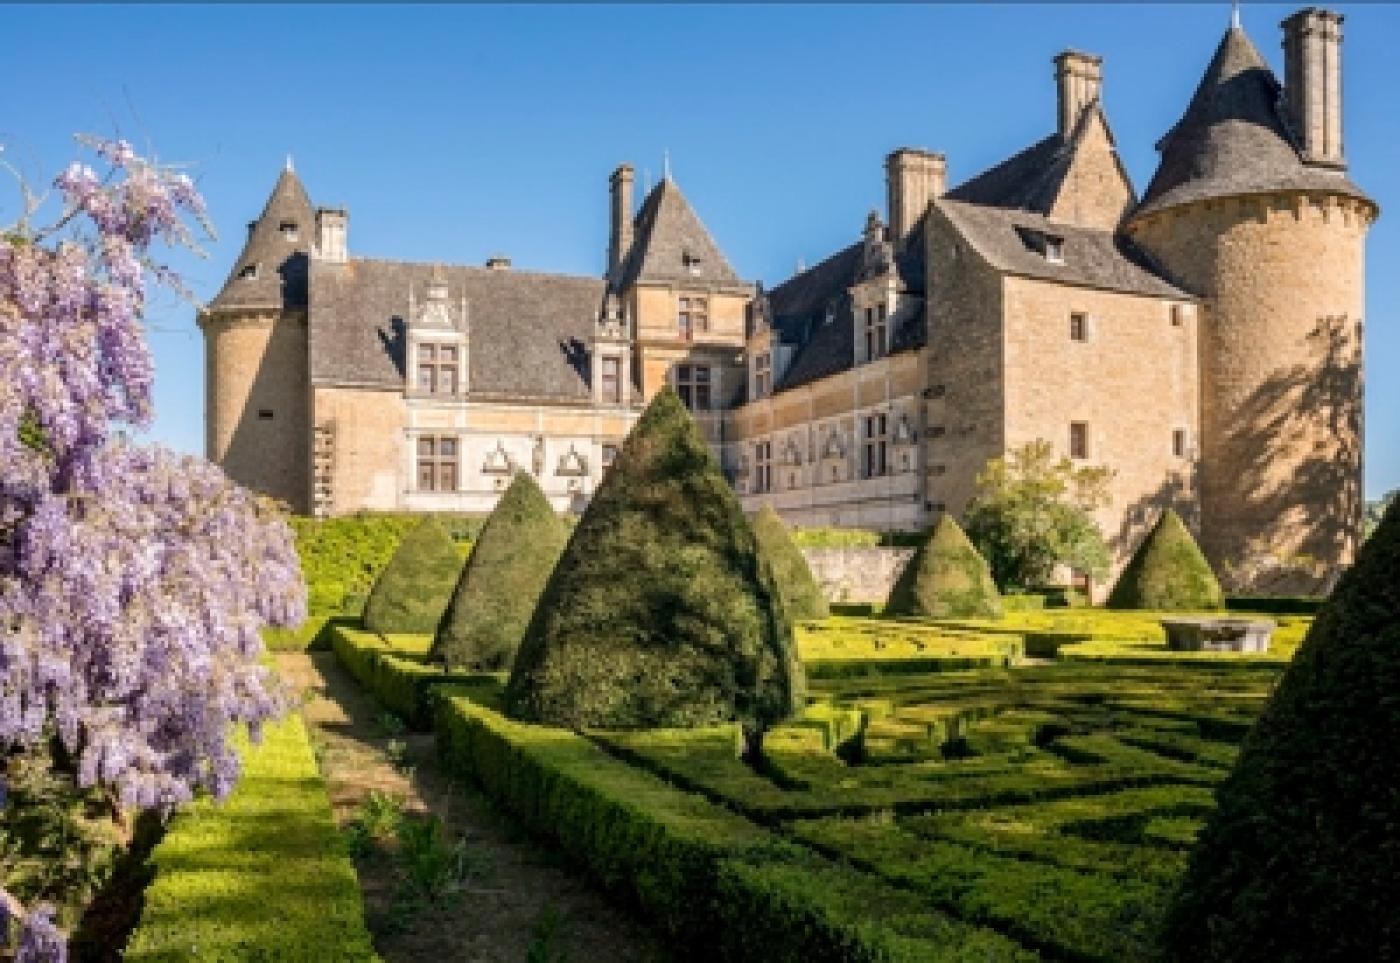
(1079, 80)
(1312, 83)
(332, 226)
(620, 235)
(913, 177)
(498, 262)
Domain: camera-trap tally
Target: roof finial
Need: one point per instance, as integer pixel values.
(291, 168)
(666, 165)
(1235, 15)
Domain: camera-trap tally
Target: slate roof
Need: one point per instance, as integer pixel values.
(1011, 241)
(529, 332)
(813, 311)
(1232, 138)
(281, 263)
(666, 232)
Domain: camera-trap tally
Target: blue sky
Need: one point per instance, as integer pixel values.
(454, 132)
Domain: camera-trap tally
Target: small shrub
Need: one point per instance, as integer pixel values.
(802, 596)
(413, 589)
(946, 578)
(1167, 573)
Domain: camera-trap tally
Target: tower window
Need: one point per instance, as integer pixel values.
(1178, 312)
(1079, 439)
(437, 463)
(289, 230)
(693, 385)
(248, 272)
(1079, 326)
(1179, 443)
(264, 414)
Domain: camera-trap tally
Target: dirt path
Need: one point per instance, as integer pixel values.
(519, 902)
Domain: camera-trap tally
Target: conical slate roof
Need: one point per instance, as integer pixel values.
(1233, 139)
(672, 244)
(279, 256)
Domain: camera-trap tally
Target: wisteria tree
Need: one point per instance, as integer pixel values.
(133, 581)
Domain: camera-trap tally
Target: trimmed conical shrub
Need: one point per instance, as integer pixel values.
(502, 580)
(1301, 859)
(802, 596)
(1167, 573)
(947, 578)
(412, 591)
(662, 610)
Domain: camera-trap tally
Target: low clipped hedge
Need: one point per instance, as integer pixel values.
(400, 682)
(261, 876)
(717, 885)
(1276, 604)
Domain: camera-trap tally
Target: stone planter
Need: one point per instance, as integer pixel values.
(1218, 634)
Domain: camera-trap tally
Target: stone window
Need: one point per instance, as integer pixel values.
(1079, 439)
(762, 375)
(875, 452)
(1054, 249)
(875, 342)
(437, 369)
(1178, 313)
(1179, 443)
(763, 466)
(610, 453)
(1078, 326)
(693, 385)
(289, 230)
(938, 507)
(437, 463)
(264, 414)
(937, 470)
(249, 272)
(693, 315)
(611, 377)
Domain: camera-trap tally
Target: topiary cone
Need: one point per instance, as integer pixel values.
(662, 610)
(1167, 573)
(412, 590)
(946, 578)
(1301, 859)
(502, 580)
(802, 596)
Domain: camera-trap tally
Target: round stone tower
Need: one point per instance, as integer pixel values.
(1252, 210)
(255, 351)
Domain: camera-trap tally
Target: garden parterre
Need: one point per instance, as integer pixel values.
(1039, 807)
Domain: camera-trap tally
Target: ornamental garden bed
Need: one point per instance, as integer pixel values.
(995, 810)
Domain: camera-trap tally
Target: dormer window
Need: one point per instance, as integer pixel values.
(289, 230)
(875, 339)
(1054, 249)
(691, 263)
(762, 375)
(693, 314)
(248, 273)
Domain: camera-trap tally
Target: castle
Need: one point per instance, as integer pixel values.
(1202, 340)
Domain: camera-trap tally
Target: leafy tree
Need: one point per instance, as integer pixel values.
(1374, 511)
(1301, 858)
(133, 581)
(662, 610)
(502, 580)
(1032, 512)
(413, 590)
(802, 596)
(945, 579)
(1167, 573)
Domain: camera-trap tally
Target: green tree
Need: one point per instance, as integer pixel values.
(502, 580)
(1168, 573)
(802, 596)
(1374, 511)
(1031, 513)
(662, 610)
(412, 590)
(1301, 858)
(945, 579)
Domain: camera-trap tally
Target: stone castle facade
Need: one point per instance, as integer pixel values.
(1203, 339)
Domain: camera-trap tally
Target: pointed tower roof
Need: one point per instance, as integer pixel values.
(672, 244)
(271, 270)
(1233, 138)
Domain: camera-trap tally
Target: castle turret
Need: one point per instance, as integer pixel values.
(255, 349)
(1243, 214)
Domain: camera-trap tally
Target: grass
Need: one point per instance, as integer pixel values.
(262, 876)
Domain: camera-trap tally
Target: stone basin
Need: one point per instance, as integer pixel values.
(1209, 634)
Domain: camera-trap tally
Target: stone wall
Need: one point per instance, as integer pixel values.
(857, 574)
